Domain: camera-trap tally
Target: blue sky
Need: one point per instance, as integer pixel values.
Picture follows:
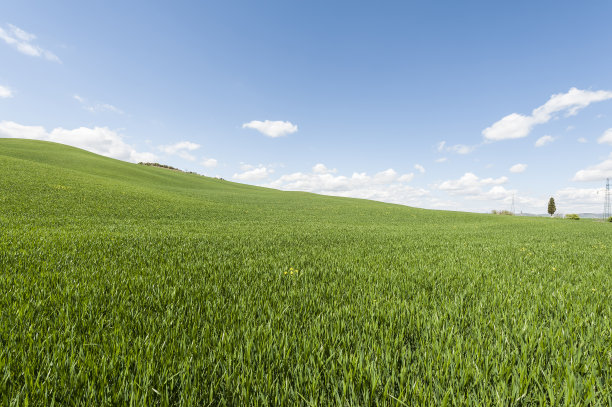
(447, 105)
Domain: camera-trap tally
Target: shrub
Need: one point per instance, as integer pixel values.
(572, 216)
(502, 212)
(610, 219)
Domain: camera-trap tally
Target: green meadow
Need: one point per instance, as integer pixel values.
(122, 284)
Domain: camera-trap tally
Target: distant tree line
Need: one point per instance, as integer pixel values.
(169, 167)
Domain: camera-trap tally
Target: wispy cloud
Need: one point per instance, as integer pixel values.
(22, 41)
(542, 141)
(516, 125)
(181, 149)
(457, 148)
(419, 168)
(272, 128)
(97, 106)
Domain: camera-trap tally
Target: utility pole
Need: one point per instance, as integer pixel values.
(607, 211)
(513, 211)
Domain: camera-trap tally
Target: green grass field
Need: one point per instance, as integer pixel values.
(125, 284)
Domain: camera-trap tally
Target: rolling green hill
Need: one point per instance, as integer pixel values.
(128, 284)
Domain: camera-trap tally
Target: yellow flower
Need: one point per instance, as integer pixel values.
(285, 272)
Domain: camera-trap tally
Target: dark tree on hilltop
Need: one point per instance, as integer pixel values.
(551, 206)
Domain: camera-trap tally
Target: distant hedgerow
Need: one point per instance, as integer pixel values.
(502, 212)
(169, 167)
(572, 216)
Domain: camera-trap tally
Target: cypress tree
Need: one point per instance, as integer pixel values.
(551, 206)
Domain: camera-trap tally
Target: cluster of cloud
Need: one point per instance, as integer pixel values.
(516, 125)
(473, 187)
(579, 200)
(22, 41)
(580, 196)
(5, 92)
(99, 140)
(97, 107)
(272, 128)
(386, 186)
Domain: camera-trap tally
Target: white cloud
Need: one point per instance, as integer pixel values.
(596, 172)
(386, 186)
(495, 193)
(181, 149)
(99, 140)
(457, 148)
(470, 184)
(542, 141)
(606, 137)
(516, 168)
(22, 42)
(441, 160)
(209, 162)
(578, 200)
(254, 174)
(322, 169)
(419, 168)
(406, 177)
(461, 149)
(516, 125)
(97, 107)
(582, 140)
(5, 92)
(271, 128)
(319, 182)
(580, 195)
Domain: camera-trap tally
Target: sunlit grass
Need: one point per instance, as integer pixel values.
(129, 284)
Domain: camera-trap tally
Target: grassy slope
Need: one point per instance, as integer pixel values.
(129, 283)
